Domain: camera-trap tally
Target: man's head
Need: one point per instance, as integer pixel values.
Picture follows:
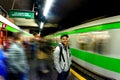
(64, 39)
(18, 36)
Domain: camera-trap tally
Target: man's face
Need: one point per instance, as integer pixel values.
(64, 40)
(21, 37)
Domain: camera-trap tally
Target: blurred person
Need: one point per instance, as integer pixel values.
(9, 42)
(44, 61)
(33, 49)
(16, 60)
(3, 69)
(62, 58)
(26, 45)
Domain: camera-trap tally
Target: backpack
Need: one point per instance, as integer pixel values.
(61, 54)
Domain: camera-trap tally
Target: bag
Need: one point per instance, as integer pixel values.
(61, 54)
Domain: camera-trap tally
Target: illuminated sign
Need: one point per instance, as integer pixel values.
(21, 14)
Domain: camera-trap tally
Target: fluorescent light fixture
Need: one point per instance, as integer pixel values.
(41, 25)
(47, 6)
(4, 20)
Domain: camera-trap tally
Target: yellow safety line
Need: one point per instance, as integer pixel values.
(77, 75)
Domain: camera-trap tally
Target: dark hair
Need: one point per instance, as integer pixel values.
(64, 35)
(35, 33)
(17, 35)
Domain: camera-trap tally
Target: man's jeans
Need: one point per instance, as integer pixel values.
(63, 75)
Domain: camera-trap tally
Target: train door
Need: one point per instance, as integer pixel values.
(3, 36)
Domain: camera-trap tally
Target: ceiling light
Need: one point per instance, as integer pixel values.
(41, 25)
(47, 6)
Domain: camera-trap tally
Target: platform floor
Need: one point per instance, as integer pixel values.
(52, 75)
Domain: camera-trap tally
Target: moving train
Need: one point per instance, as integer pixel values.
(95, 45)
(5, 27)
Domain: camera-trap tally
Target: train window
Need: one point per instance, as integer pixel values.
(93, 41)
(101, 42)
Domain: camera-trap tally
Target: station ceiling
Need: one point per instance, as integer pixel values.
(66, 13)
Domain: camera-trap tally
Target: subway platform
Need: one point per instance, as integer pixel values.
(51, 75)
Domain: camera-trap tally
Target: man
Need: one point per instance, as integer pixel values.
(16, 60)
(62, 58)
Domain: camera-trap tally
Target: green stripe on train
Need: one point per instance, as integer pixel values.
(93, 28)
(53, 44)
(105, 62)
(9, 28)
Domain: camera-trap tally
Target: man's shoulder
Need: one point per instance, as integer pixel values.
(13, 46)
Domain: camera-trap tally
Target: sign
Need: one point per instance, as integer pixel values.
(21, 14)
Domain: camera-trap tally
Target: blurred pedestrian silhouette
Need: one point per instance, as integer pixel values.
(16, 60)
(3, 69)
